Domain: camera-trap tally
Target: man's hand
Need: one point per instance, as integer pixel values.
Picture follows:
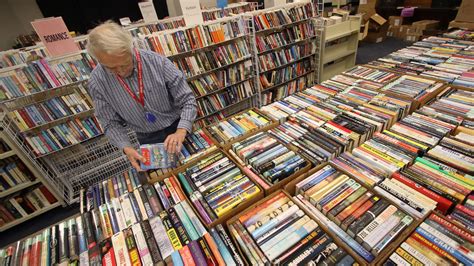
(174, 142)
(134, 157)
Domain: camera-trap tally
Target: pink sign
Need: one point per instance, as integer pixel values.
(55, 36)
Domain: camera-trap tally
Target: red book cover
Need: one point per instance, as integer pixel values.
(51, 199)
(186, 256)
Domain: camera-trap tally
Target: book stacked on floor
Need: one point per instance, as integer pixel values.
(216, 186)
(278, 231)
(436, 241)
(270, 161)
(13, 172)
(360, 218)
(238, 125)
(42, 75)
(173, 42)
(64, 135)
(25, 203)
(41, 113)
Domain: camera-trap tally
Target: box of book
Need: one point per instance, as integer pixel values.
(438, 240)
(276, 230)
(239, 126)
(365, 221)
(269, 162)
(196, 145)
(218, 188)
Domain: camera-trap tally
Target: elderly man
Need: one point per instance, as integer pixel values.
(140, 89)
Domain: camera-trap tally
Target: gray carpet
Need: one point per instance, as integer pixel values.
(371, 51)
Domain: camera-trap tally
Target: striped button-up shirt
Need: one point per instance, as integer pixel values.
(167, 96)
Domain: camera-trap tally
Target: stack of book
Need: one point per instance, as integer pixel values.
(64, 135)
(42, 75)
(412, 87)
(25, 203)
(270, 161)
(363, 220)
(436, 241)
(464, 214)
(238, 125)
(216, 185)
(278, 231)
(41, 113)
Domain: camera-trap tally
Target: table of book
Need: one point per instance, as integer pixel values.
(371, 167)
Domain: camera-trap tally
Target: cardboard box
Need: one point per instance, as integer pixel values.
(395, 21)
(376, 37)
(418, 3)
(426, 24)
(403, 31)
(461, 25)
(393, 31)
(465, 12)
(377, 23)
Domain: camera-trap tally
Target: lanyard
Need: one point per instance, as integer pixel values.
(141, 95)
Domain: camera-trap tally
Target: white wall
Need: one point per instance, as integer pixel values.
(15, 18)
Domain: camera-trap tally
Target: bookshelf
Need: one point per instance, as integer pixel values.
(339, 47)
(17, 155)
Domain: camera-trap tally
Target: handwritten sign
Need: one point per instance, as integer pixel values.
(148, 11)
(55, 36)
(191, 12)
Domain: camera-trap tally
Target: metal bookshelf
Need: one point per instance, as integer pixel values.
(311, 74)
(7, 134)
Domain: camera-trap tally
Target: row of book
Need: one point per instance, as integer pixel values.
(277, 231)
(215, 186)
(463, 214)
(297, 33)
(436, 241)
(219, 57)
(218, 101)
(360, 217)
(174, 42)
(283, 57)
(237, 125)
(277, 77)
(23, 204)
(220, 80)
(441, 58)
(12, 58)
(230, 10)
(64, 135)
(282, 16)
(460, 34)
(269, 160)
(41, 113)
(13, 172)
(287, 88)
(42, 75)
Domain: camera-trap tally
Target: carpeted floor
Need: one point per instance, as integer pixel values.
(370, 51)
(366, 53)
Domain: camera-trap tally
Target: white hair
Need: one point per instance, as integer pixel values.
(110, 38)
